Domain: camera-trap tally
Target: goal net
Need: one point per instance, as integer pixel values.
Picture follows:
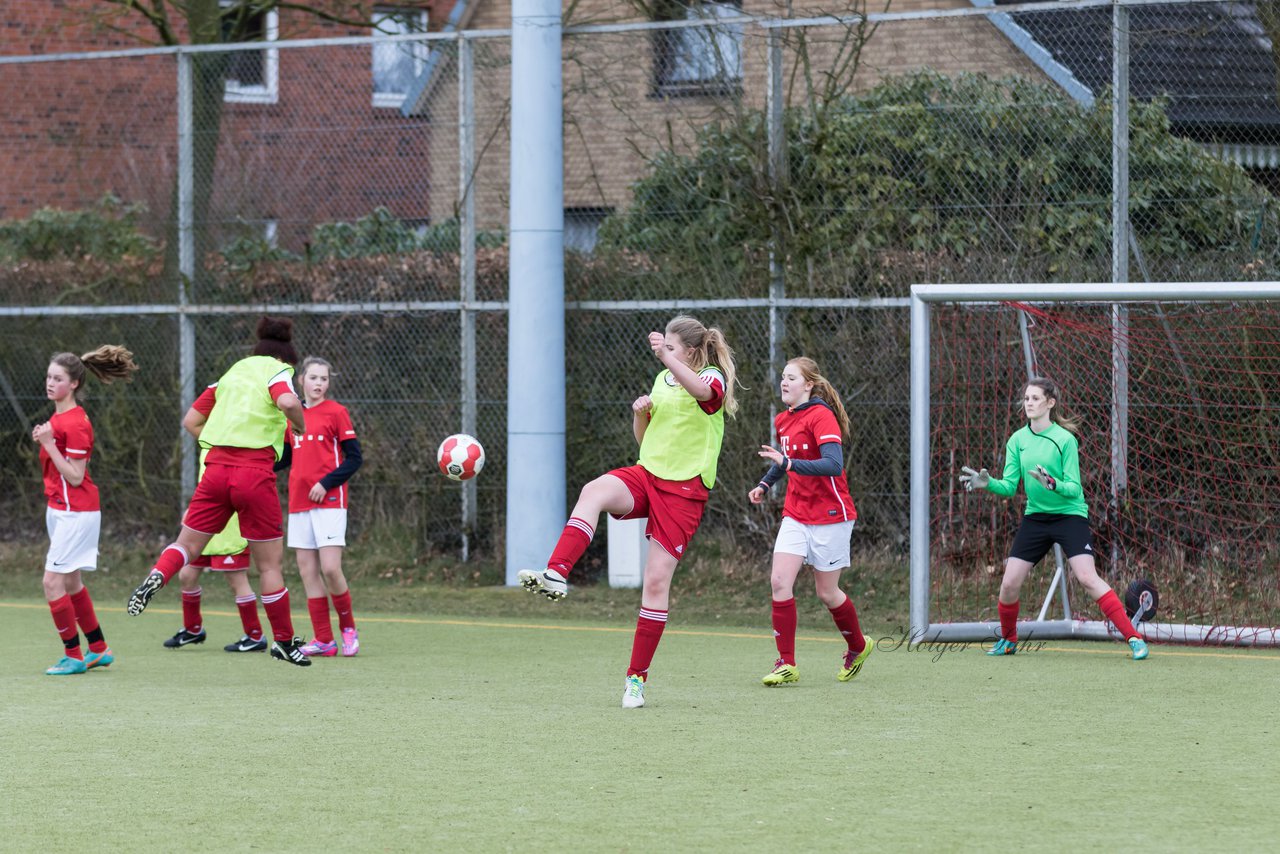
(1177, 391)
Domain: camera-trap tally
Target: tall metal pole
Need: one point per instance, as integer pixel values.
(1119, 267)
(536, 339)
(186, 263)
(467, 273)
(777, 178)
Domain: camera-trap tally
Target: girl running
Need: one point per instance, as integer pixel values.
(73, 516)
(1045, 452)
(227, 554)
(679, 425)
(245, 437)
(321, 462)
(817, 515)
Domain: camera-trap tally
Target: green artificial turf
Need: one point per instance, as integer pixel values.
(489, 734)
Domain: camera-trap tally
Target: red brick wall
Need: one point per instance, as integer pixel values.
(75, 130)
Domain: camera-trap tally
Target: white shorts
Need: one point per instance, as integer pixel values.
(73, 539)
(823, 547)
(314, 529)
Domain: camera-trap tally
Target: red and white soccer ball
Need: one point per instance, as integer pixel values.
(460, 457)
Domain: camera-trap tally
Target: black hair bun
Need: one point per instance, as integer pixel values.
(275, 329)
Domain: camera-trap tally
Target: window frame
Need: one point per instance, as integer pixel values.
(234, 92)
(672, 47)
(418, 53)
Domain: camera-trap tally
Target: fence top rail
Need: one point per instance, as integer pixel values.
(1037, 292)
(438, 306)
(981, 8)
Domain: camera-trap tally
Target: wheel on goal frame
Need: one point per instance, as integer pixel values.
(1141, 600)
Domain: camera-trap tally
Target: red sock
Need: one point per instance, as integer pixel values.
(1109, 602)
(172, 559)
(846, 619)
(88, 620)
(277, 607)
(64, 620)
(573, 541)
(784, 629)
(248, 608)
(1008, 620)
(342, 604)
(649, 626)
(318, 608)
(192, 620)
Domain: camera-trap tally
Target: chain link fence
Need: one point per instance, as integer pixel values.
(785, 179)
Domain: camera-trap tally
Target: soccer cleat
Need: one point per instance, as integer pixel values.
(66, 666)
(853, 661)
(781, 674)
(320, 648)
(184, 637)
(98, 659)
(247, 644)
(1003, 647)
(1139, 647)
(633, 692)
(548, 582)
(350, 642)
(143, 592)
(290, 651)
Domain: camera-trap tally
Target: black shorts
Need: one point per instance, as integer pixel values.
(1039, 531)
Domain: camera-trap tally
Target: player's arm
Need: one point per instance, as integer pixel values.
(1008, 483)
(830, 464)
(685, 375)
(641, 413)
(1068, 486)
(286, 456)
(289, 404)
(351, 462)
(193, 422)
(72, 470)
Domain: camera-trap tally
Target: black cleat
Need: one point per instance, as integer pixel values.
(247, 644)
(290, 651)
(143, 592)
(184, 637)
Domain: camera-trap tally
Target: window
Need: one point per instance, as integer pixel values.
(252, 76)
(396, 64)
(582, 228)
(699, 60)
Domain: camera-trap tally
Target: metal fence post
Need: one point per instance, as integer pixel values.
(467, 269)
(186, 264)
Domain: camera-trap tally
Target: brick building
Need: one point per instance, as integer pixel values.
(627, 94)
(304, 136)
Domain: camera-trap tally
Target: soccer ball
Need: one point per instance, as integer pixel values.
(460, 457)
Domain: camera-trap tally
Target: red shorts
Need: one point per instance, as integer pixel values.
(224, 563)
(673, 519)
(224, 490)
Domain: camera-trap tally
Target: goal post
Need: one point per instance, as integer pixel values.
(1177, 390)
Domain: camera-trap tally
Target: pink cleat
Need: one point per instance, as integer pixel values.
(350, 642)
(313, 648)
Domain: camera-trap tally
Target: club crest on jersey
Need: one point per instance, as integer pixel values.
(670, 379)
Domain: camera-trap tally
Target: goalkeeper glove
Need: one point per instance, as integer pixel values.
(974, 479)
(1044, 478)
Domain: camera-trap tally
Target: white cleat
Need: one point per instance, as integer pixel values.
(633, 693)
(548, 582)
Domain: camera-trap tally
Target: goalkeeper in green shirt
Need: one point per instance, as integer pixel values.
(1045, 456)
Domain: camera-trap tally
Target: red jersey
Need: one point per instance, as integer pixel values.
(73, 436)
(813, 499)
(318, 452)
